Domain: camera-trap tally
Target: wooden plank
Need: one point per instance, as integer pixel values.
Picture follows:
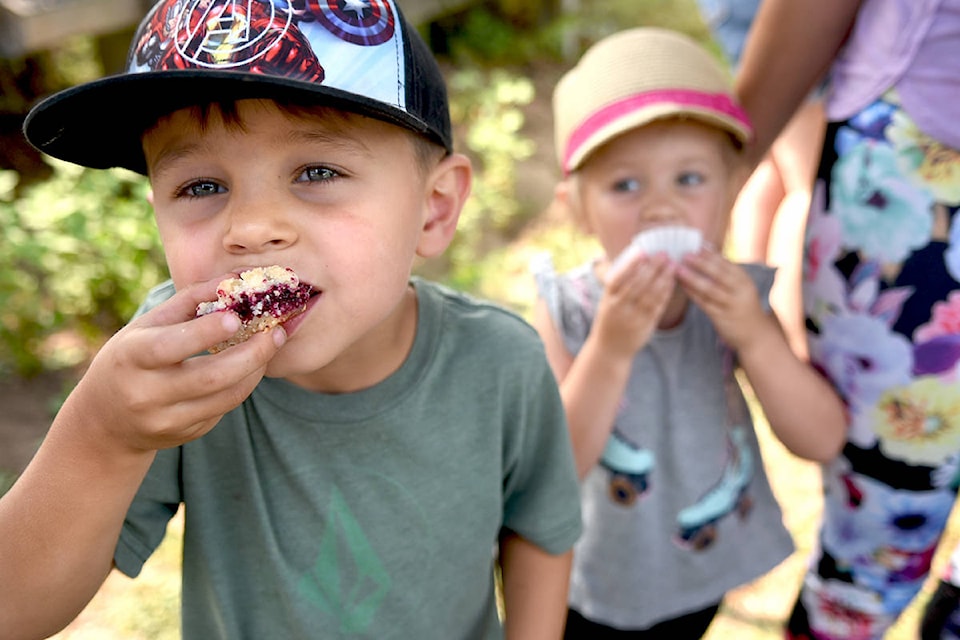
(28, 26)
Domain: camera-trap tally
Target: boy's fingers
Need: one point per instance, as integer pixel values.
(203, 410)
(206, 387)
(158, 346)
(235, 363)
(171, 332)
(181, 306)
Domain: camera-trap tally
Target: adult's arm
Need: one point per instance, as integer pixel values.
(790, 47)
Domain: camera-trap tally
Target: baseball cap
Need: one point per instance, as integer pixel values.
(360, 56)
(634, 77)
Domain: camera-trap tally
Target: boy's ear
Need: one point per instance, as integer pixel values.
(447, 189)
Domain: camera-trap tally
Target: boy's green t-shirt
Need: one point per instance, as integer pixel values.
(372, 514)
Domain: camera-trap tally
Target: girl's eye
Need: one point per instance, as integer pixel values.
(691, 178)
(627, 184)
(200, 188)
(317, 174)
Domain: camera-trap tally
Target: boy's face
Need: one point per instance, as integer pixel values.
(665, 173)
(341, 199)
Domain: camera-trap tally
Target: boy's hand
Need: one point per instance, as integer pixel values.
(633, 301)
(144, 391)
(726, 293)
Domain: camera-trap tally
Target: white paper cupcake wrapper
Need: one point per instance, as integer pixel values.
(675, 241)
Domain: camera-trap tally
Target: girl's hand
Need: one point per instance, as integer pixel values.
(145, 391)
(726, 293)
(633, 302)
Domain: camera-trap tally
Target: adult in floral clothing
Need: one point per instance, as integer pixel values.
(881, 279)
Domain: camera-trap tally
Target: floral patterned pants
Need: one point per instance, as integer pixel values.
(882, 304)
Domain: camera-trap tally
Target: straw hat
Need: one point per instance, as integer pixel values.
(634, 77)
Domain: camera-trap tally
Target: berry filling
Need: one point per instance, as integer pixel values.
(277, 301)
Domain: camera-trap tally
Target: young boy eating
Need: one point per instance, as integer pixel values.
(351, 471)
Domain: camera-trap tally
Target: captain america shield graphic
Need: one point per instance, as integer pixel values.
(362, 22)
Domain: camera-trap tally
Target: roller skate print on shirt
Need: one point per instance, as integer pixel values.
(697, 524)
(629, 467)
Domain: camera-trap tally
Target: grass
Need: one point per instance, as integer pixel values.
(147, 608)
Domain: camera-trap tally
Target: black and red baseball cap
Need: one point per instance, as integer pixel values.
(360, 56)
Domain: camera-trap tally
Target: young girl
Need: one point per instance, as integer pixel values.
(676, 506)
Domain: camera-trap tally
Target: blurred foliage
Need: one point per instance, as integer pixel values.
(76, 60)
(23, 80)
(488, 108)
(597, 18)
(518, 32)
(484, 37)
(77, 255)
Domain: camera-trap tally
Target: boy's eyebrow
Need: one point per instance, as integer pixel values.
(345, 143)
(170, 154)
(327, 138)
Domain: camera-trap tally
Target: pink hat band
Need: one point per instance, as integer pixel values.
(634, 77)
(718, 105)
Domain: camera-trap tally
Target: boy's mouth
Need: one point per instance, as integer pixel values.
(291, 325)
(262, 297)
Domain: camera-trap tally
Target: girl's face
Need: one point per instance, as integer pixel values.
(341, 199)
(671, 172)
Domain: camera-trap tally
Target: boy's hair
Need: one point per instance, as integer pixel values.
(426, 152)
(634, 77)
(366, 60)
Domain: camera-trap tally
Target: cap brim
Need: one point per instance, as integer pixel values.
(99, 124)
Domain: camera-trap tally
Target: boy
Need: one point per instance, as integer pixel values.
(349, 473)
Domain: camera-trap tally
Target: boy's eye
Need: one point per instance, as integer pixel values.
(200, 188)
(317, 174)
(691, 178)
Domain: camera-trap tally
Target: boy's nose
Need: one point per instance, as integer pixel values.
(255, 227)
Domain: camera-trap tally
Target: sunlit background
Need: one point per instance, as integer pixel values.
(78, 247)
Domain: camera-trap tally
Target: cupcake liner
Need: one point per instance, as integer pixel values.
(676, 241)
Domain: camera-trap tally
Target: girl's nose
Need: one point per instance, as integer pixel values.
(659, 207)
(258, 226)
